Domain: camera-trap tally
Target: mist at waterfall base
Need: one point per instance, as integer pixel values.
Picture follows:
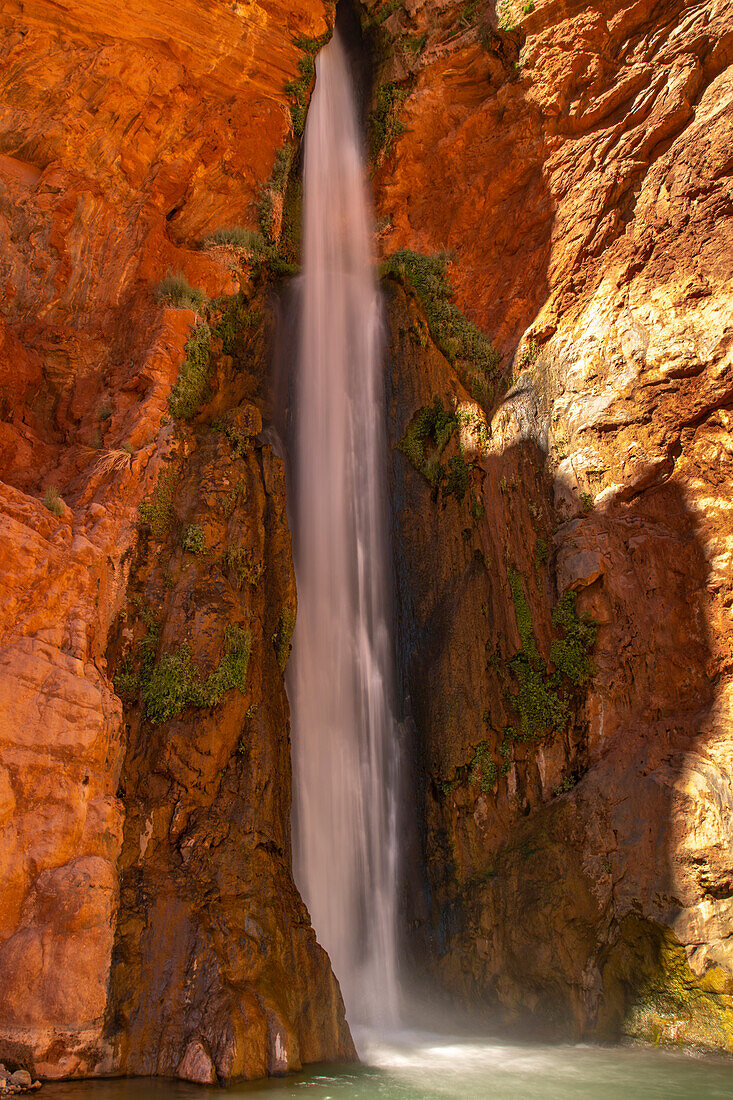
(340, 672)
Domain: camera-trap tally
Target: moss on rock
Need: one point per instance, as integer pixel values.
(651, 993)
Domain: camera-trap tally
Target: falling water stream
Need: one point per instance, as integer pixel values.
(340, 679)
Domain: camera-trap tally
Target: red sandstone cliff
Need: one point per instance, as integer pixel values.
(126, 134)
(576, 160)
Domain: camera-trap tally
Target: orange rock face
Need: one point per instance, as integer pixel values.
(127, 133)
(577, 164)
(576, 161)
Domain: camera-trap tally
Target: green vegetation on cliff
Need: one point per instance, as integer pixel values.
(237, 318)
(462, 343)
(384, 125)
(173, 683)
(427, 436)
(650, 992)
(194, 539)
(298, 91)
(242, 565)
(235, 236)
(283, 636)
(175, 290)
(157, 509)
(543, 697)
(193, 380)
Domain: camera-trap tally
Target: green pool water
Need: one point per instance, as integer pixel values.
(419, 1066)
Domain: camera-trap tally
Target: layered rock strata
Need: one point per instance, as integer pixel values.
(579, 866)
(574, 816)
(126, 136)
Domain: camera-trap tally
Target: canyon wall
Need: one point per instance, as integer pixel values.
(574, 752)
(148, 917)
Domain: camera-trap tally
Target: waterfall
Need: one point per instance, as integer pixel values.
(340, 677)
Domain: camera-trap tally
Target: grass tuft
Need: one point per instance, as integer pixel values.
(53, 500)
(175, 290)
(249, 240)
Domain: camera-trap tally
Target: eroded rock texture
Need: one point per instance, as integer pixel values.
(577, 163)
(126, 134)
(576, 159)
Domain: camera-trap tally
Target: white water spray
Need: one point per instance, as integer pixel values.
(340, 679)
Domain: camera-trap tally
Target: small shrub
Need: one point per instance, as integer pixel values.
(171, 687)
(194, 540)
(193, 379)
(457, 482)
(104, 412)
(431, 428)
(232, 669)
(528, 8)
(175, 683)
(571, 654)
(138, 664)
(586, 502)
(529, 355)
(542, 699)
(564, 785)
(280, 268)
(128, 448)
(176, 291)
(537, 702)
(238, 317)
(249, 240)
(53, 500)
(157, 509)
(127, 685)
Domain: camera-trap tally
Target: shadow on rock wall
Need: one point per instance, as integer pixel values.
(575, 880)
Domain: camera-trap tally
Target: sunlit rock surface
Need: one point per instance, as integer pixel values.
(577, 163)
(576, 160)
(127, 133)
